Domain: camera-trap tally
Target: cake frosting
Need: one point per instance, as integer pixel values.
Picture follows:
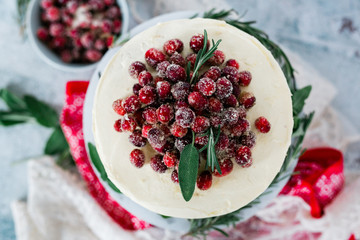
(157, 192)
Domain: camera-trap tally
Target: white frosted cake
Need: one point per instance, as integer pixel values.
(152, 184)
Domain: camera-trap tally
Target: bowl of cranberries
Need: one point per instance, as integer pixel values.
(73, 35)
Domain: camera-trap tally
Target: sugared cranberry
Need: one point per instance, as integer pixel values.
(231, 73)
(191, 58)
(165, 113)
(46, 3)
(232, 63)
(240, 127)
(175, 73)
(213, 73)
(180, 143)
(242, 111)
(204, 180)
(58, 42)
(112, 12)
(226, 166)
(180, 104)
(197, 42)
(248, 139)
(100, 44)
(145, 78)
(180, 90)
(200, 124)
(136, 68)
(175, 176)
(217, 59)
(163, 89)
(87, 40)
(215, 105)
(223, 142)
(53, 14)
(231, 116)
(156, 138)
(243, 155)
(154, 56)
(201, 140)
(178, 131)
(128, 124)
(136, 89)
(147, 94)
(109, 2)
(262, 124)
(66, 56)
(161, 68)
(137, 158)
(136, 139)
(216, 120)
(169, 145)
(157, 164)
(231, 101)
(223, 88)
(71, 6)
(198, 101)
(93, 55)
(236, 90)
(145, 129)
(247, 99)
(118, 108)
(177, 59)
(56, 29)
(131, 104)
(149, 115)
(42, 33)
(117, 26)
(245, 78)
(206, 86)
(106, 26)
(172, 46)
(171, 158)
(117, 125)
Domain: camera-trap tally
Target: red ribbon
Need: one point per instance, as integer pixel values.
(319, 180)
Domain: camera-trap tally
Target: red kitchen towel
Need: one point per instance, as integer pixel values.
(319, 180)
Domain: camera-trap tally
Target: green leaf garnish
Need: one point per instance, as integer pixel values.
(12, 101)
(298, 99)
(43, 113)
(212, 160)
(56, 143)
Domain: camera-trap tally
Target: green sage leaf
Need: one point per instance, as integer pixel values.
(43, 113)
(13, 118)
(188, 170)
(94, 156)
(299, 98)
(12, 101)
(56, 143)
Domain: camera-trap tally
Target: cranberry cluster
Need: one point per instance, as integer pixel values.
(79, 31)
(165, 109)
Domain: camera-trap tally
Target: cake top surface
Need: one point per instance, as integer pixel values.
(156, 191)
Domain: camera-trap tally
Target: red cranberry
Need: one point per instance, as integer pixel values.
(172, 46)
(131, 104)
(245, 78)
(226, 167)
(46, 3)
(87, 40)
(136, 68)
(200, 124)
(147, 94)
(217, 59)
(177, 59)
(213, 73)
(197, 101)
(206, 86)
(223, 88)
(136, 139)
(175, 73)
(109, 2)
(96, 5)
(145, 78)
(56, 29)
(192, 59)
(215, 105)
(169, 145)
(165, 113)
(171, 158)
(156, 138)
(113, 12)
(161, 68)
(136, 89)
(163, 89)
(100, 44)
(137, 158)
(93, 55)
(158, 79)
(236, 90)
(242, 111)
(145, 129)
(157, 164)
(232, 63)
(106, 26)
(72, 6)
(231, 73)
(197, 42)
(128, 124)
(178, 131)
(180, 90)
(58, 42)
(53, 14)
(117, 26)
(180, 143)
(42, 33)
(262, 124)
(216, 120)
(154, 56)
(117, 125)
(243, 155)
(247, 99)
(204, 180)
(179, 104)
(223, 142)
(248, 139)
(201, 140)
(149, 115)
(231, 101)
(241, 127)
(118, 108)
(66, 56)
(175, 176)
(231, 116)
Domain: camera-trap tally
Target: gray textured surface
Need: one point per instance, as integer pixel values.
(310, 28)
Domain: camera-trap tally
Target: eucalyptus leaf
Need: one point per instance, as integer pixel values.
(299, 98)
(188, 170)
(94, 156)
(56, 143)
(43, 113)
(12, 101)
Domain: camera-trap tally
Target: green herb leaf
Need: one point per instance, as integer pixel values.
(56, 143)
(43, 113)
(212, 160)
(298, 98)
(96, 161)
(188, 170)
(12, 101)
(12, 118)
(112, 185)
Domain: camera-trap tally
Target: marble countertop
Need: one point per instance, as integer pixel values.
(326, 34)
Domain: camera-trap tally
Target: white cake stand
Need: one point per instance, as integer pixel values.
(174, 224)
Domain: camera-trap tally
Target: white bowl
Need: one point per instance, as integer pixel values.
(33, 23)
